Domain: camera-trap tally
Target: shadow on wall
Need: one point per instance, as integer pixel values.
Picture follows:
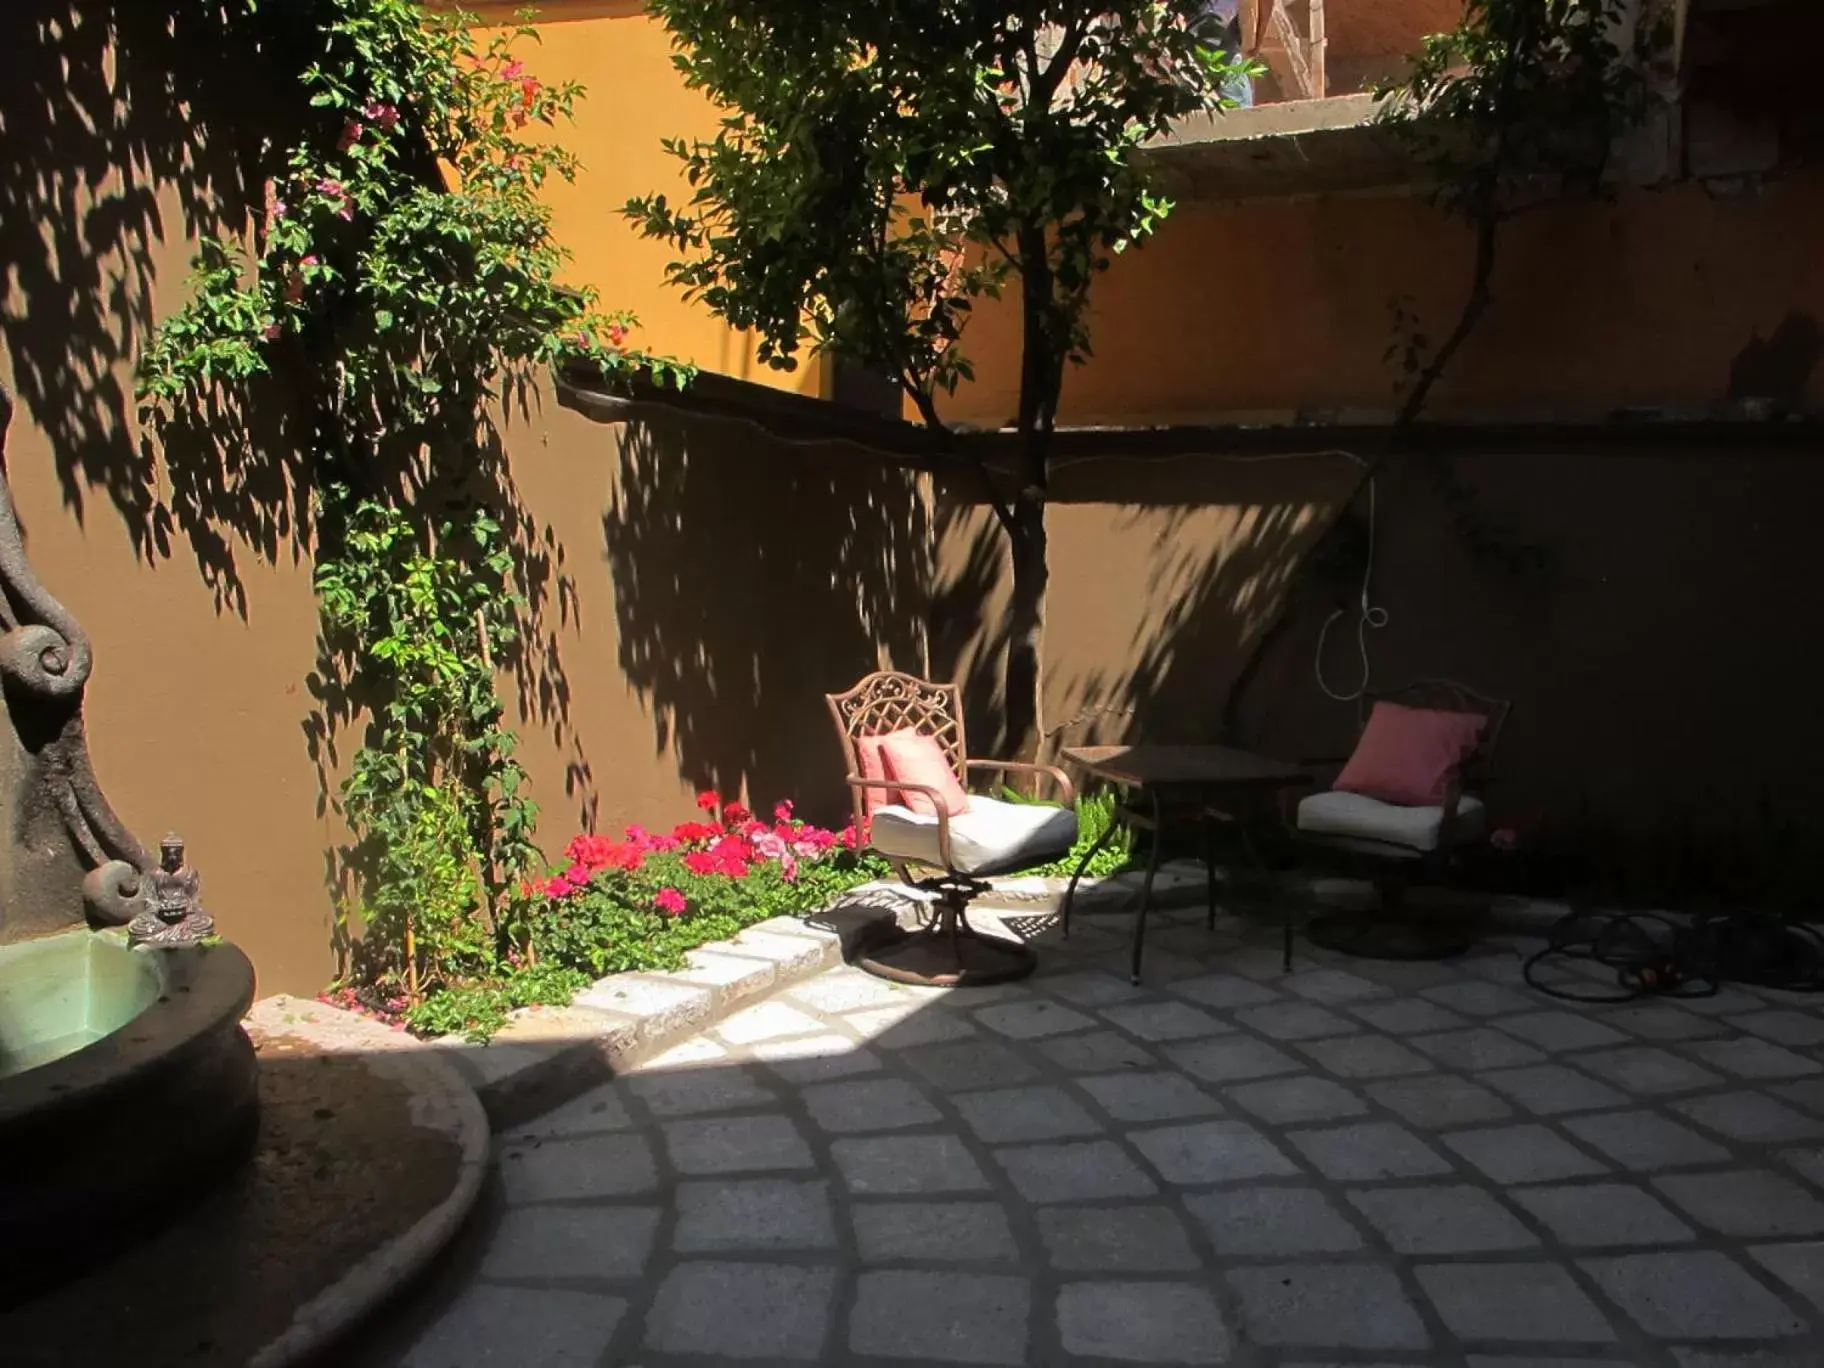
(1164, 574)
(752, 577)
(115, 116)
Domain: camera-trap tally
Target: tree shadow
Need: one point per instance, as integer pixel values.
(129, 131)
(750, 579)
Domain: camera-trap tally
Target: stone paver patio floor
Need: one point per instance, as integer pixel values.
(1359, 1162)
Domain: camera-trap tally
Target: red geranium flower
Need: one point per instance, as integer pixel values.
(709, 800)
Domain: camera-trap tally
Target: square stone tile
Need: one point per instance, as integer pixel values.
(1332, 986)
(1079, 1171)
(816, 1058)
(1294, 1021)
(1365, 1056)
(576, 1167)
(1807, 1093)
(1407, 976)
(747, 1144)
(1750, 1203)
(766, 1021)
(1164, 1020)
(852, 990)
(907, 1028)
(1480, 999)
(1750, 1058)
(1445, 1219)
(1750, 1117)
(1513, 1301)
(1808, 1163)
(1368, 1152)
(948, 1232)
(764, 1213)
(1116, 1239)
(1662, 1021)
(598, 1110)
(903, 1165)
(1328, 1306)
(1293, 1101)
(1273, 1222)
(1032, 1020)
(514, 1325)
(1434, 1102)
(571, 1242)
(1480, 1047)
(1091, 989)
(1003, 1115)
(1096, 1052)
(1642, 1141)
(692, 1092)
(1694, 1294)
(1142, 1322)
(1224, 991)
(968, 1064)
(1406, 1016)
(1552, 1089)
(1522, 1154)
(1646, 1070)
(1211, 1152)
(1730, 1000)
(1594, 1215)
(1786, 1027)
(1157, 1096)
(1232, 1059)
(868, 1104)
(742, 1310)
(1557, 1030)
(1799, 1266)
(951, 1317)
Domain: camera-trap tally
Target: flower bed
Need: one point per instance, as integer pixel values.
(641, 902)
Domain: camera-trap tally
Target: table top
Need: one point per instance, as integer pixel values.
(1209, 766)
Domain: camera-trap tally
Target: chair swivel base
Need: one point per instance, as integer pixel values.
(948, 953)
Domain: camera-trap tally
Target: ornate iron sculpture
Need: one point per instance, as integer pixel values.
(62, 827)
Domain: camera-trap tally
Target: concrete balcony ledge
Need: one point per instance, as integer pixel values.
(1300, 147)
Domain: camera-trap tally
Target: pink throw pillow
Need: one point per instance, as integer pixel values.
(873, 766)
(1409, 755)
(914, 758)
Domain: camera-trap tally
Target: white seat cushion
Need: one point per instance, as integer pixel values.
(990, 836)
(1369, 819)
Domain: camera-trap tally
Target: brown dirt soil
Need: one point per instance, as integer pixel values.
(338, 1169)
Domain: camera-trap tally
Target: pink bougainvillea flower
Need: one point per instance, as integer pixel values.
(616, 334)
(670, 901)
(382, 115)
(333, 189)
(351, 134)
(709, 800)
(513, 70)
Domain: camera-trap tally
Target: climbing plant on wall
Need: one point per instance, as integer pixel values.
(400, 290)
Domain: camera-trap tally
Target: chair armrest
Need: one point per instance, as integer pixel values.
(857, 785)
(1052, 772)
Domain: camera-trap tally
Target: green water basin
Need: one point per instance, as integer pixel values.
(127, 1087)
(62, 994)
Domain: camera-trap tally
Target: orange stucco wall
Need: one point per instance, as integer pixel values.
(1279, 308)
(633, 98)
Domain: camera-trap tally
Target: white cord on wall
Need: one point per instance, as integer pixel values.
(1368, 614)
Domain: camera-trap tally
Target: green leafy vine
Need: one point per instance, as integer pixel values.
(401, 288)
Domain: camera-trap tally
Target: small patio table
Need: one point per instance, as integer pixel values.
(1166, 783)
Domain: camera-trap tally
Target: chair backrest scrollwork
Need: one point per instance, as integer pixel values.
(891, 701)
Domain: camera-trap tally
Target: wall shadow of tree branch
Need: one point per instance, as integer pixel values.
(751, 578)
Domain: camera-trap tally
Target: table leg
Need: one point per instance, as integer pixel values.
(1146, 889)
(1070, 891)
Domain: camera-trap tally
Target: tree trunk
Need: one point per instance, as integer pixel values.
(1041, 379)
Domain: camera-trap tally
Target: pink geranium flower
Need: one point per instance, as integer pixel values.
(670, 901)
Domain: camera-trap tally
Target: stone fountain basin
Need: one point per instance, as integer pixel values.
(126, 1082)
